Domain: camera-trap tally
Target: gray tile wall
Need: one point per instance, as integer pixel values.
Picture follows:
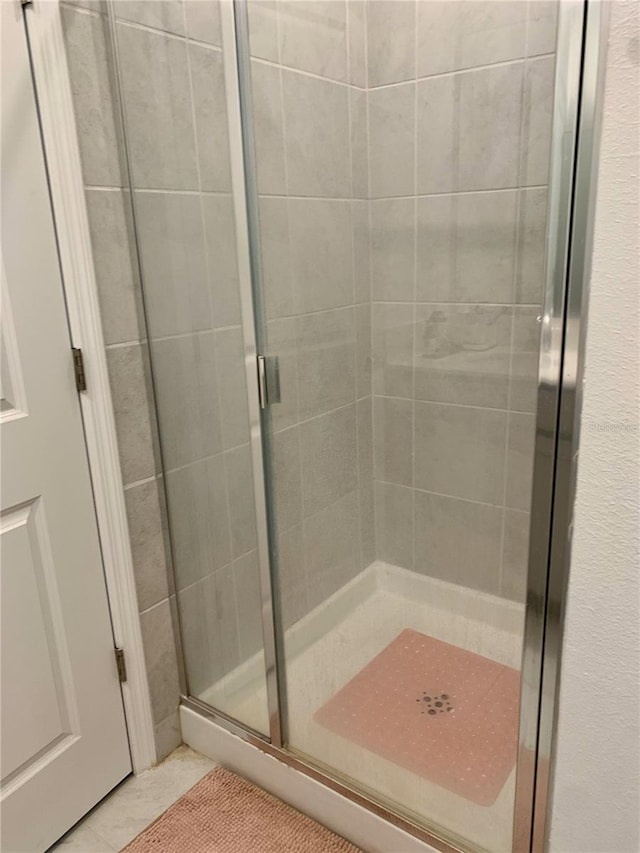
(309, 91)
(171, 66)
(459, 120)
(402, 186)
(127, 351)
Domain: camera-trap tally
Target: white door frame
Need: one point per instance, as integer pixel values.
(64, 167)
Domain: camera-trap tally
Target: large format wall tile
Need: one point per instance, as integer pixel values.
(246, 578)
(155, 79)
(392, 141)
(538, 104)
(160, 656)
(263, 29)
(489, 110)
(199, 518)
(232, 387)
(436, 278)
(393, 327)
(326, 361)
(458, 541)
(359, 143)
(522, 432)
(277, 285)
(210, 113)
(242, 514)
(331, 560)
(485, 246)
(531, 245)
(363, 352)
(131, 407)
(317, 136)
(118, 288)
(361, 251)
(268, 127)
(467, 247)
(438, 133)
(174, 263)
(469, 130)
(391, 41)
(165, 15)
(515, 555)
(287, 478)
(456, 35)
(462, 354)
(541, 33)
(364, 414)
(220, 243)
(523, 390)
(460, 451)
(145, 518)
(186, 388)
(292, 582)
(393, 440)
(329, 458)
(94, 104)
(393, 250)
(357, 25)
(313, 36)
(209, 629)
(321, 253)
(394, 523)
(203, 20)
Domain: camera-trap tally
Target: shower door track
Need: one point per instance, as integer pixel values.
(582, 33)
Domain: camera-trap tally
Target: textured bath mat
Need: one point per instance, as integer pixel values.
(223, 813)
(442, 712)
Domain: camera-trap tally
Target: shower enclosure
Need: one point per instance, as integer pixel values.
(351, 220)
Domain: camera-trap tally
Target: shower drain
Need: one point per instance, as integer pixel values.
(436, 703)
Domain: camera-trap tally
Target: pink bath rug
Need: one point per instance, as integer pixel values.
(223, 813)
(442, 712)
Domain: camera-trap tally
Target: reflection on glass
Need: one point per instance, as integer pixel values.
(402, 156)
(176, 127)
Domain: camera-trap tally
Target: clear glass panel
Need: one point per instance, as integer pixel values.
(402, 158)
(172, 75)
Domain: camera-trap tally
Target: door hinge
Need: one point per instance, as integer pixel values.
(78, 369)
(268, 380)
(121, 664)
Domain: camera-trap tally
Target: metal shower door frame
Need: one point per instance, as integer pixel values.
(575, 131)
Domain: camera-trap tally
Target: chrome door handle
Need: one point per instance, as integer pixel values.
(268, 380)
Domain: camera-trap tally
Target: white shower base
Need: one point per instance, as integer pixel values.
(330, 645)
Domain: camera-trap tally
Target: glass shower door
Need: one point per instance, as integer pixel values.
(169, 76)
(402, 159)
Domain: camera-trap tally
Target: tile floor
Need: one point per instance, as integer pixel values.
(136, 803)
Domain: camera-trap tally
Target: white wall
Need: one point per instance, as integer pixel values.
(596, 795)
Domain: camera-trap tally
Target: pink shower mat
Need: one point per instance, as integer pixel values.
(444, 713)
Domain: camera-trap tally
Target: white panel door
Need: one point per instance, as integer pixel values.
(63, 735)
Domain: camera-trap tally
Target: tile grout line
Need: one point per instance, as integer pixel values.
(448, 496)
(353, 278)
(365, 27)
(459, 71)
(326, 199)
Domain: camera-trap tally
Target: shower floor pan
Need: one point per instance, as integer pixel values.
(333, 643)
